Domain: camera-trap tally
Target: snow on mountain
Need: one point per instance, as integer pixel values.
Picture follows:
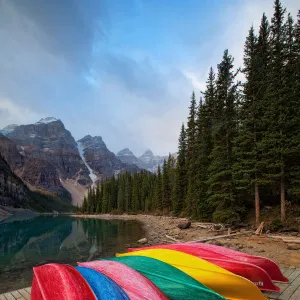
(126, 156)
(8, 129)
(46, 120)
(147, 161)
(81, 152)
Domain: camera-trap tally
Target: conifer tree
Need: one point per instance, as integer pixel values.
(247, 158)
(144, 192)
(84, 206)
(121, 193)
(294, 163)
(275, 115)
(220, 185)
(180, 174)
(128, 192)
(204, 144)
(105, 198)
(291, 100)
(158, 193)
(135, 193)
(191, 198)
(167, 191)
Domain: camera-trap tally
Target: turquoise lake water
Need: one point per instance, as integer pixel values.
(40, 240)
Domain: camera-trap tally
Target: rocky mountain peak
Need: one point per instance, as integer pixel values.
(125, 152)
(93, 143)
(148, 153)
(10, 127)
(126, 156)
(47, 120)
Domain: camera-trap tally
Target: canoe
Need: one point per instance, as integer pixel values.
(253, 273)
(57, 282)
(268, 265)
(102, 286)
(223, 282)
(136, 286)
(175, 284)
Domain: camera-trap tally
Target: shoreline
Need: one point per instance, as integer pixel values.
(157, 227)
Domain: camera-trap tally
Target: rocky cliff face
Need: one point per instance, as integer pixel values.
(103, 162)
(13, 191)
(36, 173)
(49, 141)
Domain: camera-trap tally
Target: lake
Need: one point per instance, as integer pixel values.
(40, 240)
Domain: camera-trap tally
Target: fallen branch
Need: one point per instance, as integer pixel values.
(286, 239)
(173, 239)
(220, 237)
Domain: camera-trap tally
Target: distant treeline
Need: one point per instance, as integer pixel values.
(241, 145)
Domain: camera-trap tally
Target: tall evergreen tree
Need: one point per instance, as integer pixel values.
(135, 193)
(245, 170)
(167, 189)
(220, 185)
(158, 193)
(180, 187)
(191, 198)
(121, 193)
(292, 103)
(275, 116)
(204, 144)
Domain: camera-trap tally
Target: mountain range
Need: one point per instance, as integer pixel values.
(46, 158)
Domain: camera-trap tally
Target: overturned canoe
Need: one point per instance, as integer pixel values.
(175, 284)
(57, 282)
(223, 282)
(252, 272)
(266, 264)
(102, 286)
(136, 286)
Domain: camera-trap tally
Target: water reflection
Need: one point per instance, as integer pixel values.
(40, 240)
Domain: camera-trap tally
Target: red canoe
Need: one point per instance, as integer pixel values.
(245, 269)
(268, 265)
(136, 286)
(57, 282)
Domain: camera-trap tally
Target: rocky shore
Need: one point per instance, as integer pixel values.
(158, 227)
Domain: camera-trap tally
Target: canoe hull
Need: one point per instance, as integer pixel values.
(102, 286)
(253, 273)
(175, 284)
(268, 265)
(223, 282)
(56, 282)
(136, 286)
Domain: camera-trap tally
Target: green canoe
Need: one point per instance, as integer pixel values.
(174, 283)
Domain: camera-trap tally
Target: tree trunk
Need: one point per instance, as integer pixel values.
(282, 199)
(257, 208)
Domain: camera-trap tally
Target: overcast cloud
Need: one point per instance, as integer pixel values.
(124, 70)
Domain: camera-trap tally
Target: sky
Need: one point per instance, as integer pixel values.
(124, 70)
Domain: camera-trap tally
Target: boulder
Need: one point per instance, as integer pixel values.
(143, 241)
(184, 225)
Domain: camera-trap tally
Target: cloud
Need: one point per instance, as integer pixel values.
(124, 70)
(11, 113)
(65, 28)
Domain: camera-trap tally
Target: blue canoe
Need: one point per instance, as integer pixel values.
(102, 286)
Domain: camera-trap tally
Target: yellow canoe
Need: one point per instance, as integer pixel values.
(225, 283)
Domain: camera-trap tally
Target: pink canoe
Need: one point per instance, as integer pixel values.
(249, 271)
(222, 253)
(57, 282)
(132, 282)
